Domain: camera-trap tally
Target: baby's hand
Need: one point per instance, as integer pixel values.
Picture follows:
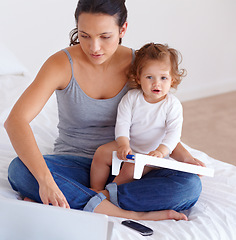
(156, 153)
(123, 151)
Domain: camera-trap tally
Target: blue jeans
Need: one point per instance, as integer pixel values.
(158, 190)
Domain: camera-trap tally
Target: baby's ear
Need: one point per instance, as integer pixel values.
(173, 82)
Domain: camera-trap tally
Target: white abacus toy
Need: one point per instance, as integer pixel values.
(140, 160)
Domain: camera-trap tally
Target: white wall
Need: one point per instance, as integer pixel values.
(204, 31)
(34, 30)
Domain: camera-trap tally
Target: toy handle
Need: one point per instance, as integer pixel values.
(130, 156)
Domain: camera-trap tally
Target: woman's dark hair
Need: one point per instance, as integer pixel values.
(110, 7)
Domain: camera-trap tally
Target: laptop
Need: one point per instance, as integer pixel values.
(21, 220)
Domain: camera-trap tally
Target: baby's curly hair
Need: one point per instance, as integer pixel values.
(153, 51)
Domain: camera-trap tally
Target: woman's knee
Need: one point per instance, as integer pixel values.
(194, 184)
(19, 176)
(193, 189)
(14, 171)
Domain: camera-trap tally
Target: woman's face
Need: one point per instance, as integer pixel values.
(99, 36)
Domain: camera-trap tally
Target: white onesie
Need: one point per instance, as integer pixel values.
(147, 125)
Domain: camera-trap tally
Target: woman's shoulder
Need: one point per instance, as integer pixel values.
(75, 51)
(58, 59)
(123, 58)
(56, 68)
(125, 53)
(126, 49)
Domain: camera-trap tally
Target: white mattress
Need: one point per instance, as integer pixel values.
(213, 217)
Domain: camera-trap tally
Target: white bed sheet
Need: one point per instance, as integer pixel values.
(213, 217)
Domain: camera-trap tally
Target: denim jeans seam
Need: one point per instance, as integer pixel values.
(66, 179)
(61, 165)
(51, 159)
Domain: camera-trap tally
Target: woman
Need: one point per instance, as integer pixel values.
(90, 79)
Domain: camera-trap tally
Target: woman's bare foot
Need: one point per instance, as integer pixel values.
(106, 207)
(28, 199)
(162, 215)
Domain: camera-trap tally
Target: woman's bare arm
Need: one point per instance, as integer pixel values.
(17, 125)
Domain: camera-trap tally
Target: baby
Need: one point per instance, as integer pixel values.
(149, 117)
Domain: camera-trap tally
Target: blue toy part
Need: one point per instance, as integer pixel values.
(130, 156)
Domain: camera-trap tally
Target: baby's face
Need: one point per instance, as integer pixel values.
(155, 80)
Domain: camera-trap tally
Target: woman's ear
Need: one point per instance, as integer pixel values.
(123, 30)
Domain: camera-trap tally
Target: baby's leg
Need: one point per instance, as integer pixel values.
(100, 168)
(126, 174)
(147, 170)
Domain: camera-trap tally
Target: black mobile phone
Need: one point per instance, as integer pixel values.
(145, 231)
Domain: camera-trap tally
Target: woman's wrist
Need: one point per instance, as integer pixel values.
(45, 178)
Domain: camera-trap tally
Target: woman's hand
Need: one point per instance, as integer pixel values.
(50, 193)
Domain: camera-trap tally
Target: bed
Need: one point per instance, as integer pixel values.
(213, 217)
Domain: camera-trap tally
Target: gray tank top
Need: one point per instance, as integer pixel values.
(85, 123)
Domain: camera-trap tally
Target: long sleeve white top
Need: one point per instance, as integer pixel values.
(147, 125)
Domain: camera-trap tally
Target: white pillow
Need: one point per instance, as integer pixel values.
(9, 64)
